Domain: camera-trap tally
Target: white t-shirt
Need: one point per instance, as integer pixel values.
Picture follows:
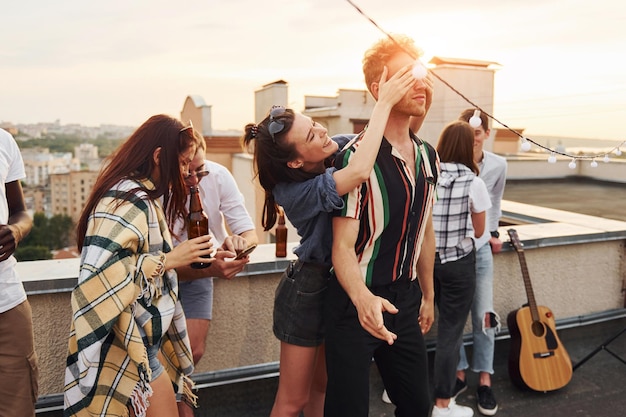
(479, 200)
(493, 172)
(11, 169)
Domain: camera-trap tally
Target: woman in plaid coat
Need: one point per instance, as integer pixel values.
(125, 308)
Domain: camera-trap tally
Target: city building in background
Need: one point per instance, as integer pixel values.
(69, 192)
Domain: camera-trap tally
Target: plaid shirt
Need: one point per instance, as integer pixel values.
(124, 300)
(451, 212)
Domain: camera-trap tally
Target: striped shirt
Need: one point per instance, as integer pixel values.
(392, 207)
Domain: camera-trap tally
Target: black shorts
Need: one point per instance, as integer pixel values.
(299, 304)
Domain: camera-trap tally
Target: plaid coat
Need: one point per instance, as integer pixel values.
(124, 301)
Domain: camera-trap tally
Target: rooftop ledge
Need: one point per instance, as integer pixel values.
(576, 264)
(60, 275)
(536, 227)
(542, 227)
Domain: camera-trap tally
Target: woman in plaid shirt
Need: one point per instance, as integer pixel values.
(458, 219)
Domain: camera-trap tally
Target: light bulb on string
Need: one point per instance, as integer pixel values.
(552, 158)
(606, 159)
(593, 164)
(475, 120)
(419, 70)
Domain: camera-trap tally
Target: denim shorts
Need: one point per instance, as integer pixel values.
(196, 296)
(153, 359)
(299, 304)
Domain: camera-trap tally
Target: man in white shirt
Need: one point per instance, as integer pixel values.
(18, 361)
(223, 202)
(485, 321)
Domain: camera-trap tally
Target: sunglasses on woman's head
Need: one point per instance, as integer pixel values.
(276, 125)
(188, 130)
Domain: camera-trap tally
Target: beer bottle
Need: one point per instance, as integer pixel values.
(197, 222)
(281, 235)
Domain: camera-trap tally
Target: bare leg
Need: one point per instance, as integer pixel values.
(485, 379)
(163, 399)
(317, 394)
(184, 410)
(197, 329)
(297, 372)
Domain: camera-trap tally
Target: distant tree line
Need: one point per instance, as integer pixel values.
(47, 234)
(67, 143)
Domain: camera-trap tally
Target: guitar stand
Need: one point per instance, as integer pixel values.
(603, 346)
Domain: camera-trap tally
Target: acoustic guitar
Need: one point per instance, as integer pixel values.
(537, 358)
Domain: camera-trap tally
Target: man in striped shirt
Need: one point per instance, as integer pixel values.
(383, 242)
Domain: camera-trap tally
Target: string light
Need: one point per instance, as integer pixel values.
(475, 121)
(594, 164)
(606, 159)
(525, 145)
(419, 70)
(526, 141)
(552, 158)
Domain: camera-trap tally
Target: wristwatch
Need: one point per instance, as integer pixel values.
(495, 234)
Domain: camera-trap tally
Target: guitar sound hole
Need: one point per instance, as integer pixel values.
(538, 329)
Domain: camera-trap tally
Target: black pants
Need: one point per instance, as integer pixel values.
(454, 291)
(403, 365)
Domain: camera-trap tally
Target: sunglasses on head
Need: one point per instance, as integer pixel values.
(189, 128)
(276, 125)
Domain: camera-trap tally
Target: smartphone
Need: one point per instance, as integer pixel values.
(245, 252)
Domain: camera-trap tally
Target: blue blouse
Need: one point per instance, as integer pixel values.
(309, 206)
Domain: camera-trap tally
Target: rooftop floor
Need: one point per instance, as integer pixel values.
(579, 195)
(596, 389)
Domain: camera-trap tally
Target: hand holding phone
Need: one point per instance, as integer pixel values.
(245, 252)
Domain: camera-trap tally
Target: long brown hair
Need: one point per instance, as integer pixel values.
(456, 144)
(271, 155)
(133, 159)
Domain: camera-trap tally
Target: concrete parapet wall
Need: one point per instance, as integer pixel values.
(241, 329)
(51, 321)
(572, 280)
(576, 264)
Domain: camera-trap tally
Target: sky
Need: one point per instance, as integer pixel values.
(120, 61)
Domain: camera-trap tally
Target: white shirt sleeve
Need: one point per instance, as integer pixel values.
(223, 203)
(479, 196)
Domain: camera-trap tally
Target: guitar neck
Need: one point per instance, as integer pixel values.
(527, 284)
